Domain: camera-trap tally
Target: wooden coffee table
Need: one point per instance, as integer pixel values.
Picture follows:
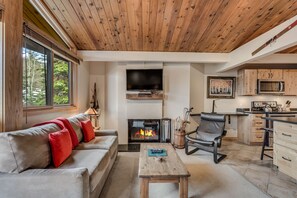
(169, 170)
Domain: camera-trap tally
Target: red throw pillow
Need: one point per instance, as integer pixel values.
(73, 135)
(88, 130)
(61, 146)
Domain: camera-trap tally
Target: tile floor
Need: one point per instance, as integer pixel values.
(262, 173)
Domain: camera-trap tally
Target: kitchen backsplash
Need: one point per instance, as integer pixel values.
(230, 105)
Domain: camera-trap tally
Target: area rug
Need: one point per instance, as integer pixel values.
(207, 180)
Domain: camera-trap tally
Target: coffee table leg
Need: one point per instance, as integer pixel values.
(183, 187)
(144, 187)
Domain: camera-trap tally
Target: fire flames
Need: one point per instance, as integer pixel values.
(145, 133)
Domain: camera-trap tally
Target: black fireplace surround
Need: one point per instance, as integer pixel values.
(143, 130)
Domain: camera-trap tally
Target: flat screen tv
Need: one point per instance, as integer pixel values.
(144, 79)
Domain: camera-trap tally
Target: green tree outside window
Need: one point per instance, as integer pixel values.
(61, 81)
(34, 78)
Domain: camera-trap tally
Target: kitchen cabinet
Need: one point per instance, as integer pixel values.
(270, 74)
(285, 148)
(290, 76)
(247, 82)
(250, 129)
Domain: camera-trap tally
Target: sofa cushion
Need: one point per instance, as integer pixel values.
(57, 122)
(96, 161)
(25, 149)
(72, 133)
(88, 130)
(109, 143)
(75, 123)
(61, 146)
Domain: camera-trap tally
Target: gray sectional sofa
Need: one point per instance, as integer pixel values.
(26, 170)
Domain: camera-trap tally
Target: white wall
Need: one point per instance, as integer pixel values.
(82, 92)
(83, 75)
(177, 90)
(97, 75)
(122, 105)
(197, 85)
(111, 96)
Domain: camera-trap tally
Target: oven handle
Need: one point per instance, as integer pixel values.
(281, 85)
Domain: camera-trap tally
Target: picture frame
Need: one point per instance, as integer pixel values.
(221, 87)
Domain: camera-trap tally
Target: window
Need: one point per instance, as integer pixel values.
(36, 65)
(61, 81)
(46, 77)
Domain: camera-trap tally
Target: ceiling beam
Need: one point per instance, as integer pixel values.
(185, 57)
(244, 55)
(277, 58)
(47, 15)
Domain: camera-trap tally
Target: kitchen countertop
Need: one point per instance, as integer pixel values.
(274, 112)
(290, 120)
(246, 113)
(226, 113)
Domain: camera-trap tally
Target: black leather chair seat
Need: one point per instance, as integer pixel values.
(198, 140)
(208, 136)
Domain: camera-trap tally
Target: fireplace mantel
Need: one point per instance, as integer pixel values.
(136, 96)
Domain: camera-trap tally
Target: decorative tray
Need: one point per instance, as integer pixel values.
(157, 152)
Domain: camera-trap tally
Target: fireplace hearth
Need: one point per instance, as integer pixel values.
(143, 130)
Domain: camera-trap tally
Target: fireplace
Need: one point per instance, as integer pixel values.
(143, 130)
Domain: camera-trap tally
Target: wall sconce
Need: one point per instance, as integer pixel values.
(94, 115)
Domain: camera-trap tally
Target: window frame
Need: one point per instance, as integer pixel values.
(50, 81)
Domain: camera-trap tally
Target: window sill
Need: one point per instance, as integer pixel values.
(42, 110)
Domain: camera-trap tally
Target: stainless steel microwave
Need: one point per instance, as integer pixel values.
(271, 87)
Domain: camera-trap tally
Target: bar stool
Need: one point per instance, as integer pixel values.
(268, 136)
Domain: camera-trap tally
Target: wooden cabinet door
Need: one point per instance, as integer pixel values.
(247, 82)
(250, 82)
(276, 74)
(270, 74)
(290, 77)
(264, 74)
(239, 82)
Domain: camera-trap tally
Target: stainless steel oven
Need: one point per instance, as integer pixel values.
(271, 86)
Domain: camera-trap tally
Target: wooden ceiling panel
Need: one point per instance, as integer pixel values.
(70, 24)
(213, 33)
(168, 25)
(155, 38)
(273, 15)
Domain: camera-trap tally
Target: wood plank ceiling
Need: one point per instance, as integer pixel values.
(168, 25)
